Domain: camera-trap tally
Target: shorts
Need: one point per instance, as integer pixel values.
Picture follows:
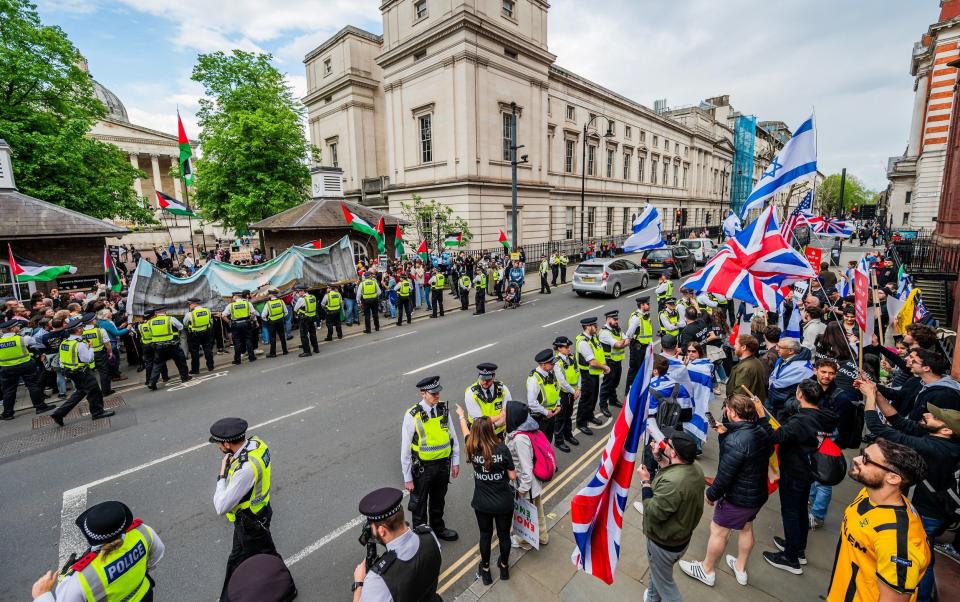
(731, 516)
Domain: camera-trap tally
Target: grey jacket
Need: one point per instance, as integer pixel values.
(522, 451)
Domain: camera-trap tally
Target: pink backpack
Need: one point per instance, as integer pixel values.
(544, 460)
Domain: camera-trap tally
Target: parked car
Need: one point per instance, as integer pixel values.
(609, 276)
(702, 249)
(673, 261)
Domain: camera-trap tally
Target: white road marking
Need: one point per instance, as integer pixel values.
(579, 313)
(75, 500)
(197, 380)
(643, 291)
(449, 359)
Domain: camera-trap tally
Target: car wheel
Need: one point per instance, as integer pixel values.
(643, 283)
(675, 274)
(581, 293)
(616, 290)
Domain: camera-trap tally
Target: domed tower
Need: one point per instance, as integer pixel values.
(115, 109)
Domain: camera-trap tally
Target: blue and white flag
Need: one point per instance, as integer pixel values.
(797, 161)
(790, 373)
(790, 330)
(701, 373)
(732, 225)
(647, 231)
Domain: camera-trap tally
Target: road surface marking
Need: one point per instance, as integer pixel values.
(643, 291)
(197, 380)
(449, 359)
(75, 500)
(579, 313)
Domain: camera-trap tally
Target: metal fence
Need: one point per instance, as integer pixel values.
(924, 256)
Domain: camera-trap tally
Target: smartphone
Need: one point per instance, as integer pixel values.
(711, 420)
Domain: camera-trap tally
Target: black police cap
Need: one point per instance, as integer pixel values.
(642, 300)
(300, 287)
(228, 430)
(430, 384)
(487, 370)
(612, 314)
(194, 300)
(148, 313)
(381, 504)
(588, 321)
(10, 324)
(670, 301)
(104, 522)
(545, 356)
(74, 322)
(562, 341)
(88, 317)
(273, 291)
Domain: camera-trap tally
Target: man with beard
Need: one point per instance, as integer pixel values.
(882, 552)
(936, 437)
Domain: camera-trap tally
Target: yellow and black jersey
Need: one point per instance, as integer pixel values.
(878, 543)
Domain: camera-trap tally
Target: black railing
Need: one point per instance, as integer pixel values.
(924, 256)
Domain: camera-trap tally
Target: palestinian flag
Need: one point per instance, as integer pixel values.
(172, 205)
(503, 240)
(422, 251)
(398, 242)
(25, 270)
(313, 244)
(186, 165)
(111, 275)
(453, 240)
(381, 239)
(358, 223)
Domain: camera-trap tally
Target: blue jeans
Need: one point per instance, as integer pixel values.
(350, 309)
(793, 512)
(391, 308)
(264, 333)
(288, 324)
(928, 582)
(61, 382)
(820, 499)
(426, 298)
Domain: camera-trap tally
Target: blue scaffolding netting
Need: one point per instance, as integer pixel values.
(742, 177)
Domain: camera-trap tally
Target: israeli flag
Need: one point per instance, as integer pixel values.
(701, 374)
(647, 231)
(795, 163)
(790, 373)
(732, 225)
(791, 329)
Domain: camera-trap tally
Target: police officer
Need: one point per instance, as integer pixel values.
(76, 358)
(464, 283)
(669, 318)
(240, 315)
(165, 336)
(437, 282)
(368, 296)
(429, 457)
(564, 262)
(554, 267)
(543, 393)
(664, 289)
(410, 568)
(331, 303)
(243, 491)
(199, 323)
(16, 362)
(590, 362)
(275, 312)
(497, 274)
(640, 334)
(98, 341)
(305, 308)
(544, 271)
(123, 550)
(568, 377)
(147, 350)
(404, 290)
(614, 346)
(480, 285)
(486, 397)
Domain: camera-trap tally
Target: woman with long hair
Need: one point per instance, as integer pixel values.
(493, 470)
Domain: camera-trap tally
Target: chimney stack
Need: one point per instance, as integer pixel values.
(6, 167)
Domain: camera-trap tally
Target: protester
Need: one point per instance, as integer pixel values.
(749, 372)
(520, 427)
(792, 367)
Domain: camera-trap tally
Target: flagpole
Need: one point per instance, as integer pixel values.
(876, 304)
(186, 200)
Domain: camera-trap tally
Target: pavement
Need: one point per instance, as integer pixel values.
(333, 425)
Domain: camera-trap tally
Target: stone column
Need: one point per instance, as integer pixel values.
(155, 164)
(137, 184)
(177, 190)
(919, 113)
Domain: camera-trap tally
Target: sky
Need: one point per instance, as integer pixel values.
(847, 61)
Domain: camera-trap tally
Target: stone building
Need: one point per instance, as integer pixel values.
(916, 177)
(426, 109)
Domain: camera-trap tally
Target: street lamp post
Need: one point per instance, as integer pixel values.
(513, 173)
(583, 169)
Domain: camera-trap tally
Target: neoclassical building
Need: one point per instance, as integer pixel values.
(426, 109)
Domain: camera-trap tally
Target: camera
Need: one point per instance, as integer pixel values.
(367, 540)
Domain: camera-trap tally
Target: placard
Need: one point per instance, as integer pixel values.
(814, 256)
(861, 289)
(514, 255)
(526, 521)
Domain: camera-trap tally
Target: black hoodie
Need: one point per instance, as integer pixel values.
(797, 438)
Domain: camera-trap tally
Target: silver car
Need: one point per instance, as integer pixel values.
(609, 276)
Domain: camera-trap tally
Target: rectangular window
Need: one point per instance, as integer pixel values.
(507, 136)
(627, 158)
(640, 168)
(510, 53)
(626, 220)
(610, 154)
(327, 67)
(568, 223)
(571, 113)
(568, 147)
(906, 217)
(591, 220)
(643, 136)
(909, 196)
(666, 172)
(656, 141)
(609, 221)
(420, 9)
(334, 159)
(676, 148)
(685, 168)
(508, 8)
(653, 171)
(676, 175)
(426, 139)
(627, 132)
(591, 158)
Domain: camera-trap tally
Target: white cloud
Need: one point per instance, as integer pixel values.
(77, 7)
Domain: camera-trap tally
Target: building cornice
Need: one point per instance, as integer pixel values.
(131, 140)
(349, 30)
(350, 104)
(344, 81)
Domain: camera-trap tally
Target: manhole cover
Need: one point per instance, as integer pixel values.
(81, 411)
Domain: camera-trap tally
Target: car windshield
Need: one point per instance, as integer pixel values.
(589, 269)
(691, 244)
(659, 254)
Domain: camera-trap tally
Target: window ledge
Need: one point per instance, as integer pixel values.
(425, 165)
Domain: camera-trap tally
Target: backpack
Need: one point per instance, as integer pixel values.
(544, 460)
(669, 412)
(949, 500)
(827, 463)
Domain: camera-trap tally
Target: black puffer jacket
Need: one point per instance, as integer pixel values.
(742, 474)
(797, 438)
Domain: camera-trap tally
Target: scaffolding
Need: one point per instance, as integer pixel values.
(742, 177)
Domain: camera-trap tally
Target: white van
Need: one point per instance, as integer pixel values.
(702, 249)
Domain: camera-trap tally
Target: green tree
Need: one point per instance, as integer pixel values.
(854, 194)
(255, 153)
(427, 216)
(47, 106)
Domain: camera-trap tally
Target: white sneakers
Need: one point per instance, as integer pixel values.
(741, 575)
(694, 569)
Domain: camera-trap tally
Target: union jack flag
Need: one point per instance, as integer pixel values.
(797, 217)
(753, 265)
(828, 226)
(596, 512)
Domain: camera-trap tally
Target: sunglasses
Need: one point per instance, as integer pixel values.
(867, 460)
